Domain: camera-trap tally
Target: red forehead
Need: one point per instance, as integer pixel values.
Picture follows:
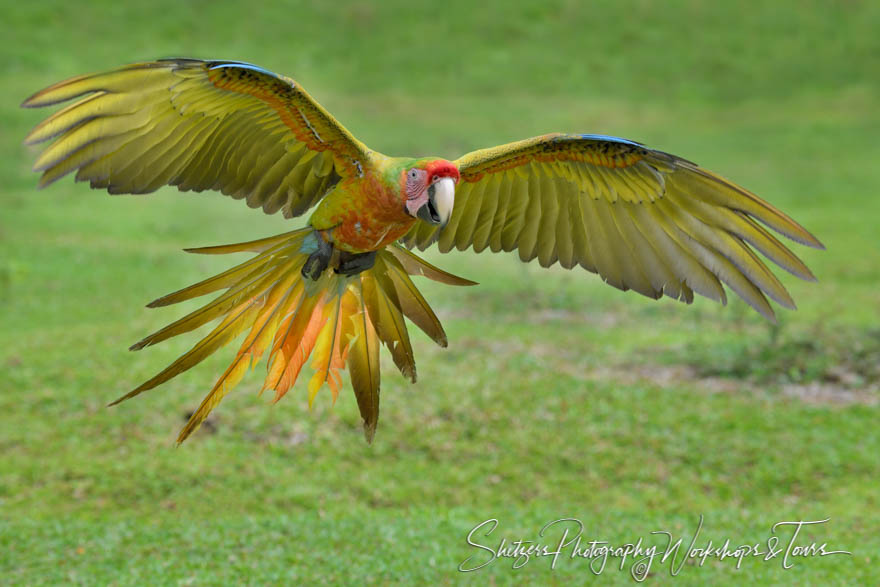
(442, 168)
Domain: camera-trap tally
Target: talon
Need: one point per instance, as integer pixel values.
(354, 263)
(317, 261)
(314, 267)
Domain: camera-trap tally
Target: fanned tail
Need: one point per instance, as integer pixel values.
(337, 320)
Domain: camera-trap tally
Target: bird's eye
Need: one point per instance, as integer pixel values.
(413, 174)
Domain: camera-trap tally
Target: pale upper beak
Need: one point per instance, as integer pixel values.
(441, 198)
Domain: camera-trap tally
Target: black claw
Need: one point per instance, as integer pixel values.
(314, 266)
(318, 261)
(349, 263)
(354, 263)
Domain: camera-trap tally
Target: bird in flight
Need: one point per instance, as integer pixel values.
(330, 293)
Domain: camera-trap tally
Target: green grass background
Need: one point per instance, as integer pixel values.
(557, 397)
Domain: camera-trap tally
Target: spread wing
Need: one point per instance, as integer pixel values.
(197, 125)
(642, 219)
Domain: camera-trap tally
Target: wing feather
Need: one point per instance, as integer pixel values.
(487, 212)
(465, 232)
(602, 242)
(502, 211)
(519, 201)
(582, 248)
(546, 245)
(640, 218)
(197, 125)
(565, 245)
(527, 240)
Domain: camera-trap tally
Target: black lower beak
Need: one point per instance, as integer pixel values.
(428, 212)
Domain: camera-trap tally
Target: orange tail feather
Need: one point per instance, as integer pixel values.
(337, 320)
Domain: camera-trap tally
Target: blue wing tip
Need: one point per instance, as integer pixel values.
(241, 65)
(611, 139)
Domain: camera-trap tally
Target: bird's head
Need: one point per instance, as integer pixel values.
(429, 185)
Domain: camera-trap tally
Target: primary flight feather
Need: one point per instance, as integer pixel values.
(329, 294)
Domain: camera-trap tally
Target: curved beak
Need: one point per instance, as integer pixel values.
(441, 198)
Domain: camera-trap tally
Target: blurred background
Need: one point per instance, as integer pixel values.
(557, 397)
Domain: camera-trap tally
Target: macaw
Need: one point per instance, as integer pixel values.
(333, 291)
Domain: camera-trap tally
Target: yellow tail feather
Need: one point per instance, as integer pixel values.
(338, 321)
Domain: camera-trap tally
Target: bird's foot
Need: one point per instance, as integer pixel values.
(354, 263)
(318, 261)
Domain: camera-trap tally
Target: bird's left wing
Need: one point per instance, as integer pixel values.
(642, 219)
(198, 125)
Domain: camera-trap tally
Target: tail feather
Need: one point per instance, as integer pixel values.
(382, 304)
(363, 364)
(415, 265)
(338, 321)
(292, 349)
(231, 276)
(236, 321)
(249, 354)
(327, 353)
(247, 289)
(218, 282)
(286, 240)
(413, 304)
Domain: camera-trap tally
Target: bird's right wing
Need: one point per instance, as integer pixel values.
(197, 125)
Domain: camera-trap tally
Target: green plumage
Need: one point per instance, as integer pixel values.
(642, 219)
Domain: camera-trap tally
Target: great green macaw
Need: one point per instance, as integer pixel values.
(642, 219)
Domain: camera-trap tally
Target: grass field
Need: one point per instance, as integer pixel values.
(557, 397)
